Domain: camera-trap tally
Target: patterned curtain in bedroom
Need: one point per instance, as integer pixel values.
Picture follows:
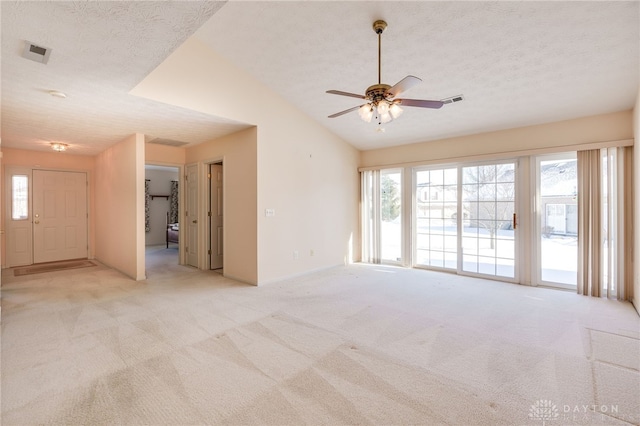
(173, 202)
(147, 199)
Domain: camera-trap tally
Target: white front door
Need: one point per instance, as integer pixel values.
(191, 246)
(59, 216)
(215, 213)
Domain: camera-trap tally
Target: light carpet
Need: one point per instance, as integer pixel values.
(358, 344)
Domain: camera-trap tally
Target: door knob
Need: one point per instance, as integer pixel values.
(195, 221)
(36, 221)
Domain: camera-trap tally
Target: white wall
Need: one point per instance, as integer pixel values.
(304, 172)
(119, 205)
(159, 184)
(560, 136)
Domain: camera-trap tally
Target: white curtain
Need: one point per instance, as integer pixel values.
(589, 241)
(369, 214)
(604, 215)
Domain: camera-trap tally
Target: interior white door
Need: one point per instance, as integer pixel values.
(59, 216)
(191, 246)
(215, 213)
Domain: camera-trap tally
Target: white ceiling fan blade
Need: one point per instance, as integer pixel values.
(352, 95)
(419, 103)
(403, 85)
(338, 114)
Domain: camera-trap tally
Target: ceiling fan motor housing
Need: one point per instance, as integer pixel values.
(377, 92)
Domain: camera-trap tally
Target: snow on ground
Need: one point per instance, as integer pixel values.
(559, 258)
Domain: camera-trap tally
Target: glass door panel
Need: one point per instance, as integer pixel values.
(436, 232)
(488, 205)
(557, 234)
(391, 215)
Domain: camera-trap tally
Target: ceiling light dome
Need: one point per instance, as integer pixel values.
(59, 146)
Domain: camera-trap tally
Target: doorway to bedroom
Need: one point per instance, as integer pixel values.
(162, 207)
(215, 215)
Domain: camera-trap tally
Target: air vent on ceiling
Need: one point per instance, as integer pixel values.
(169, 142)
(36, 53)
(452, 99)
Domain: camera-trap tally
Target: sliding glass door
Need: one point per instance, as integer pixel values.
(488, 233)
(556, 229)
(460, 218)
(464, 219)
(382, 213)
(436, 229)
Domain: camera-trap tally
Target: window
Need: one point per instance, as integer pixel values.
(391, 215)
(19, 197)
(436, 238)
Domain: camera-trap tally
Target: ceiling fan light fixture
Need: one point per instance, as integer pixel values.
(366, 112)
(382, 99)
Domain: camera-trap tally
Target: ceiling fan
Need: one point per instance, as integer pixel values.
(382, 100)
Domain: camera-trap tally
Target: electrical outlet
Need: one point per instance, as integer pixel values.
(296, 255)
(269, 212)
(311, 253)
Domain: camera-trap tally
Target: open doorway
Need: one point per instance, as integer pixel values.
(215, 213)
(162, 224)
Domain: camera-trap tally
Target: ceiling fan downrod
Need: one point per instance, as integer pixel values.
(379, 26)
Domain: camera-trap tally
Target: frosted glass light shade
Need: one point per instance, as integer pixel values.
(383, 108)
(386, 117)
(395, 110)
(366, 112)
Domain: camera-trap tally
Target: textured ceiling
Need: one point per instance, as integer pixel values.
(99, 51)
(516, 63)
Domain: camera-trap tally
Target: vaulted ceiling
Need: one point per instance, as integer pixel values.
(515, 63)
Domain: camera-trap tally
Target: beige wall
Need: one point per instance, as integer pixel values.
(562, 135)
(119, 177)
(305, 173)
(163, 154)
(239, 156)
(51, 161)
(636, 206)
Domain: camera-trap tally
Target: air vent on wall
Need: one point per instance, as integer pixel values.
(36, 53)
(169, 142)
(452, 99)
